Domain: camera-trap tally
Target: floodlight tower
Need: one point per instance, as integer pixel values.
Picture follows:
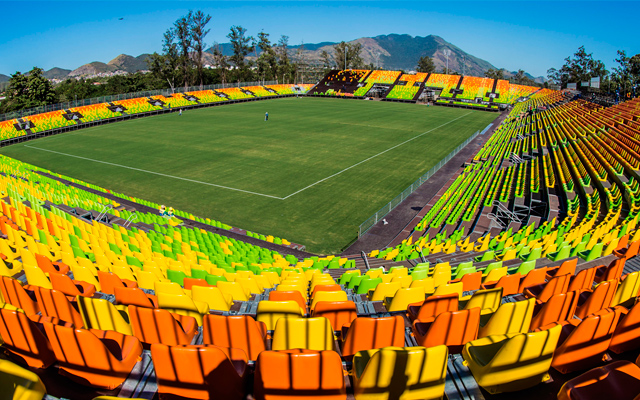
(447, 52)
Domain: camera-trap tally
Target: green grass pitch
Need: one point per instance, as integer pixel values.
(311, 174)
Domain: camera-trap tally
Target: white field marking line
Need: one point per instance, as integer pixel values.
(376, 155)
(157, 173)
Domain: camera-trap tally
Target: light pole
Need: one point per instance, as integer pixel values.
(446, 54)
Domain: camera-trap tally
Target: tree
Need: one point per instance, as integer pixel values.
(425, 64)
(347, 55)
(582, 67)
(494, 73)
(28, 91)
(182, 33)
(166, 66)
(327, 61)
(284, 63)
(554, 76)
(241, 47)
(221, 63)
(198, 23)
(267, 61)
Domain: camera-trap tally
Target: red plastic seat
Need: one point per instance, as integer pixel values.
(612, 271)
(567, 267)
(583, 280)
(339, 313)
(133, 296)
(49, 267)
(372, 333)
(508, 283)
(286, 295)
(155, 325)
(619, 380)
(188, 283)
(532, 278)
(558, 308)
(23, 338)
(471, 281)
(97, 358)
(543, 292)
(200, 371)
(54, 303)
(628, 252)
(236, 331)
(591, 301)
(627, 334)
(325, 288)
(17, 295)
(299, 374)
(453, 329)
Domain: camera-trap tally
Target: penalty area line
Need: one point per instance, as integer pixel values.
(157, 173)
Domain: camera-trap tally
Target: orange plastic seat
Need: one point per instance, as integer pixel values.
(47, 266)
(558, 308)
(470, 281)
(23, 339)
(567, 267)
(200, 371)
(612, 271)
(299, 374)
(372, 333)
(155, 325)
(591, 301)
(189, 282)
(628, 252)
(627, 334)
(618, 380)
(17, 295)
(543, 292)
(339, 313)
(452, 328)
(133, 296)
(532, 278)
(583, 343)
(109, 281)
(288, 295)
(325, 288)
(433, 306)
(583, 280)
(71, 288)
(508, 283)
(54, 303)
(97, 358)
(235, 331)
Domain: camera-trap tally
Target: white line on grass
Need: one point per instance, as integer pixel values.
(241, 190)
(374, 156)
(156, 173)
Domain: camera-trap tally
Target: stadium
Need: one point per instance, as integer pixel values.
(381, 235)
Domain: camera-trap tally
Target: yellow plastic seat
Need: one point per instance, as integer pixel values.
(272, 276)
(250, 284)
(270, 312)
(403, 298)
(263, 282)
(147, 279)
(303, 333)
(509, 318)
(183, 305)
(627, 289)
(213, 296)
(17, 383)
(495, 274)
(488, 300)
(384, 290)
(400, 373)
(328, 296)
(426, 284)
(449, 288)
(123, 272)
(102, 314)
(235, 290)
(36, 276)
(375, 273)
(441, 275)
(168, 288)
(404, 280)
(284, 287)
(511, 362)
(84, 274)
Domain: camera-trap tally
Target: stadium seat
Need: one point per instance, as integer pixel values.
(509, 318)
(235, 331)
(452, 328)
(212, 296)
(155, 325)
(133, 296)
(626, 336)
(433, 306)
(184, 305)
(338, 313)
(400, 373)
(508, 283)
(512, 362)
(303, 333)
(543, 292)
(102, 359)
(22, 297)
(597, 299)
(328, 296)
(23, 339)
(200, 371)
(532, 278)
(627, 290)
(70, 287)
(487, 300)
(270, 311)
(297, 374)
(618, 380)
(372, 333)
(103, 315)
(55, 304)
(17, 383)
(558, 308)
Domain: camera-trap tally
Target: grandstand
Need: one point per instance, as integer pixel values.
(519, 277)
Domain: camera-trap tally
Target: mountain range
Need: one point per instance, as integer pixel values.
(391, 52)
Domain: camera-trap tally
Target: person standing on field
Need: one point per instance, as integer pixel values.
(266, 116)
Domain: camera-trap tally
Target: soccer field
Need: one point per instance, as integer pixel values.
(311, 174)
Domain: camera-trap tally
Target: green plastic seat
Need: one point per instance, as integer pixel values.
(368, 284)
(176, 276)
(356, 280)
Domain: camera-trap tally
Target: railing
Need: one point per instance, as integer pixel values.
(371, 221)
(126, 96)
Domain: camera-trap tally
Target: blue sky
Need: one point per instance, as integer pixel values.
(512, 34)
